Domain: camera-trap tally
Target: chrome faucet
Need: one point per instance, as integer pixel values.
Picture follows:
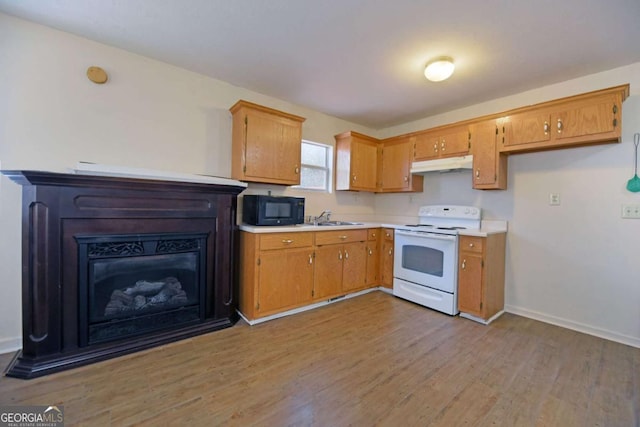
(318, 219)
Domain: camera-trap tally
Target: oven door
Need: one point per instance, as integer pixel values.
(426, 259)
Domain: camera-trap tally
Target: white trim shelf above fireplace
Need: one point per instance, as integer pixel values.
(97, 169)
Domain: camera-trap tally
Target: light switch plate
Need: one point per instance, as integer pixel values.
(554, 199)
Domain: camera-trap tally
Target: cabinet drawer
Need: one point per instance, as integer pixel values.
(471, 244)
(388, 234)
(285, 240)
(340, 236)
(372, 234)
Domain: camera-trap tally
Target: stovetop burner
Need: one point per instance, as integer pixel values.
(435, 227)
(447, 219)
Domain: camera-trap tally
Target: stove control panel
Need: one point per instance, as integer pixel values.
(450, 211)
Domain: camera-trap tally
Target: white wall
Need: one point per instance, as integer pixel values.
(577, 264)
(573, 264)
(148, 115)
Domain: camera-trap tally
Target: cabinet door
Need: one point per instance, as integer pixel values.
(454, 142)
(272, 148)
(364, 164)
(489, 165)
(327, 277)
(427, 146)
(387, 264)
(354, 269)
(527, 127)
(373, 263)
(396, 163)
(591, 118)
(285, 279)
(470, 283)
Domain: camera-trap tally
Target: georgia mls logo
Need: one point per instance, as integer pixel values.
(32, 416)
(55, 411)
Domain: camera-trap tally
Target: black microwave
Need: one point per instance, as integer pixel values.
(272, 210)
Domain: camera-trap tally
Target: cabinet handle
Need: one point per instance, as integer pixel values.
(346, 255)
(390, 252)
(373, 235)
(354, 178)
(297, 170)
(435, 147)
(287, 241)
(477, 173)
(370, 252)
(442, 144)
(546, 128)
(464, 264)
(406, 179)
(342, 237)
(388, 235)
(340, 255)
(471, 245)
(560, 125)
(310, 258)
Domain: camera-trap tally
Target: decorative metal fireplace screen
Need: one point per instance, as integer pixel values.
(134, 284)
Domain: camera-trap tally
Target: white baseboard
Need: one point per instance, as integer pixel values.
(9, 345)
(576, 326)
(480, 320)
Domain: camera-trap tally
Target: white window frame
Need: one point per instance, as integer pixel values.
(328, 169)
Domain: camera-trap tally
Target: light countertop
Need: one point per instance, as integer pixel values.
(487, 227)
(304, 227)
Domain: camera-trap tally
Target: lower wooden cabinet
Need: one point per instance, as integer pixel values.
(387, 258)
(339, 269)
(481, 276)
(373, 257)
(281, 287)
(269, 282)
(283, 271)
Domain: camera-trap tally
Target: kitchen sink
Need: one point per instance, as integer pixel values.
(330, 223)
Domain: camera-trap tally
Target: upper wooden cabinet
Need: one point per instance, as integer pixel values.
(396, 165)
(489, 166)
(591, 118)
(266, 144)
(364, 163)
(356, 162)
(449, 141)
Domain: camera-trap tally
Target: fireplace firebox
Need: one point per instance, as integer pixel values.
(114, 265)
(134, 284)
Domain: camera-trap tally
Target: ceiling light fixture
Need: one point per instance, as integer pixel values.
(439, 69)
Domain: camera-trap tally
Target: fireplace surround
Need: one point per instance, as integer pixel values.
(113, 265)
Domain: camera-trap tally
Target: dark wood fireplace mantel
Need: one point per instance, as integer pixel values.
(59, 208)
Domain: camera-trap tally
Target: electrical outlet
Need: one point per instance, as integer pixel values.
(554, 199)
(631, 211)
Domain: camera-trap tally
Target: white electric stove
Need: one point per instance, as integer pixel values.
(426, 256)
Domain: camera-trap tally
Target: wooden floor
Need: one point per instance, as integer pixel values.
(370, 360)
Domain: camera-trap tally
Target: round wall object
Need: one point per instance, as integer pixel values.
(97, 75)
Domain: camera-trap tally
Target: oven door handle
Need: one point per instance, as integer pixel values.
(427, 235)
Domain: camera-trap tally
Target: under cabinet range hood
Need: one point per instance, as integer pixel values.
(442, 165)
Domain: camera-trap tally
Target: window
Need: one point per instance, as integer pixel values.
(315, 170)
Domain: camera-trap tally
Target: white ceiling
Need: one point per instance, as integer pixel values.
(362, 60)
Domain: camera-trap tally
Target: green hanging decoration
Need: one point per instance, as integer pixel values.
(633, 184)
